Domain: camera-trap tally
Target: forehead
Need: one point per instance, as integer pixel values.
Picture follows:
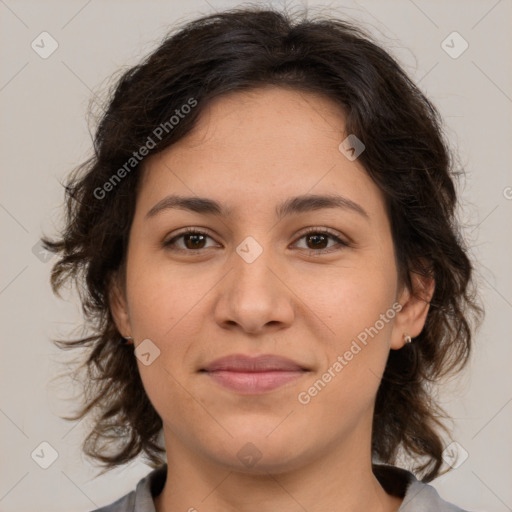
(268, 115)
(246, 145)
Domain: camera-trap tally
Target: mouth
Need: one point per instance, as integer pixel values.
(254, 382)
(254, 375)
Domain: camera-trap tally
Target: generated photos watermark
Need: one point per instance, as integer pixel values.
(304, 397)
(137, 156)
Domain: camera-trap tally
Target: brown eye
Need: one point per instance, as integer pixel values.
(194, 240)
(317, 241)
(191, 240)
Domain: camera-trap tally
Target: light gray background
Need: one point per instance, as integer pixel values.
(44, 134)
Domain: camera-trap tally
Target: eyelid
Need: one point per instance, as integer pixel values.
(335, 235)
(327, 231)
(187, 230)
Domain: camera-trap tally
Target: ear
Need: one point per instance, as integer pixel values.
(119, 307)
(415, 303)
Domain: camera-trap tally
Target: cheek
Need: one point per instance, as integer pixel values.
(349, 298)
(159, 295)
(356, 304)
(162, 310)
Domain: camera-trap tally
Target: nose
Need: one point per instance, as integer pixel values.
(255, 296)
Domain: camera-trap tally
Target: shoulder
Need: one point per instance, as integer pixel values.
(140, 499)
(421, 497)
(417, 496)
(124, 504)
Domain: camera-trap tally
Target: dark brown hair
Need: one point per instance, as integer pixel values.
(406, 156)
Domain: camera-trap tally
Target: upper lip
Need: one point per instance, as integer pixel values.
(261, 363)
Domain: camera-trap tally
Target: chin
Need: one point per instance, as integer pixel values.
(253, 450)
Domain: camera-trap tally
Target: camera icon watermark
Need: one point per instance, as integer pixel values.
(454, 45)
(455, 455)
(44, 455)
(507, 193)
(352, 147)
(249, 249)
(41, 253)
(147, 352)
(44, 45)
(249, 455)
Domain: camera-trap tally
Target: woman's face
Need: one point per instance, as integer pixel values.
(253, 282)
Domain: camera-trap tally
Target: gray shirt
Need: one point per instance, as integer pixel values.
(418, 496)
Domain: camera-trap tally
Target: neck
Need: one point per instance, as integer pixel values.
(340, 479)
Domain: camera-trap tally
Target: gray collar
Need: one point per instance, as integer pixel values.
(417, 496)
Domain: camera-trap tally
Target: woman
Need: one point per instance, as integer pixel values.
(265, 245)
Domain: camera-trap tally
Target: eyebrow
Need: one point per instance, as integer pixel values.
(292, 205)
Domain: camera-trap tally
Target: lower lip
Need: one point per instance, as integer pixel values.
(254, 382)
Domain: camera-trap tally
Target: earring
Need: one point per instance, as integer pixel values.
(407, 338)
(129, 340)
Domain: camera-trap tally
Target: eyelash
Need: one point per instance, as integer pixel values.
(317, 231)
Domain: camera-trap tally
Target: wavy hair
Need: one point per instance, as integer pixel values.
(406, 155)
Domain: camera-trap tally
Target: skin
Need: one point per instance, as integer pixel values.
(251, 151)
